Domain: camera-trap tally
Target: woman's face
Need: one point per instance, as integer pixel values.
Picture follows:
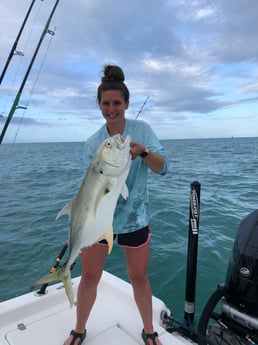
(113, 106)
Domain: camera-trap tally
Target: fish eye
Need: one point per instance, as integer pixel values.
(108, 144)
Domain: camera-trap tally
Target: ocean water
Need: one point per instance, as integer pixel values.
(37, 180)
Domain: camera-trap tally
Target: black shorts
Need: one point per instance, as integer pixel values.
(132, 239)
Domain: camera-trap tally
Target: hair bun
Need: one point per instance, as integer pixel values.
(113, 80)
(113, 73)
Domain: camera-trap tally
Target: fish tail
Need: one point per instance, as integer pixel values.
(62, 274)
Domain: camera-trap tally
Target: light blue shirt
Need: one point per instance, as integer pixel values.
(131, 214)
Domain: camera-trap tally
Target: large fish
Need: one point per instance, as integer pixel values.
(91, 211)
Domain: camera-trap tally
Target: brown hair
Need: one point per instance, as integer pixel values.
(113, 79)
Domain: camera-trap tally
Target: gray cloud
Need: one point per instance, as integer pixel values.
(189, 57)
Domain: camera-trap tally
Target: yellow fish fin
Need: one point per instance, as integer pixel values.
(109, 236)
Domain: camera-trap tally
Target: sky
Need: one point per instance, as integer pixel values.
(190, 65)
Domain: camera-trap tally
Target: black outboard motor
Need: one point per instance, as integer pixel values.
(242, 275)
(238, 297)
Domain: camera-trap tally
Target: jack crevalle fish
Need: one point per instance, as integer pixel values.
(91, 211)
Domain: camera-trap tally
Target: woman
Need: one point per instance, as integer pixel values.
(131, 219)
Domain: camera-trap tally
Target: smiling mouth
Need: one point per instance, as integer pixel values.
(112, 115)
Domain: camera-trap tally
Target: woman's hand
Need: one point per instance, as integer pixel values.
(136, 149)
(154, 160)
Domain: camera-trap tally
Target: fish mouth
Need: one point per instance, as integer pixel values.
(121, 142)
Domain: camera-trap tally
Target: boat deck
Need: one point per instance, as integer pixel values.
(48, 319)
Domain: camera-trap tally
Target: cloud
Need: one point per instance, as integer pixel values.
(191, 58)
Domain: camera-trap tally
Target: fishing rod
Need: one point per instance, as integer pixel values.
(17, 98)
(42, 290)
(142, 107)
(13, 50)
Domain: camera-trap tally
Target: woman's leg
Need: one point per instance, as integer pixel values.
(92, 259)
(137, 265)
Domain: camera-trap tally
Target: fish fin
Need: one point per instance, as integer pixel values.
(109, 236)
(124, 192)
(100, 195)
(65, 276)
(67, 209)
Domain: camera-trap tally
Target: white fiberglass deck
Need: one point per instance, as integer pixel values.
(48, 319)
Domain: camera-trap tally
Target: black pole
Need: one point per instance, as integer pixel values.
(194, 216)
(17, 98)
(13, 50)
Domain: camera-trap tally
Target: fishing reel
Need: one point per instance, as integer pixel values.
(231, 314)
